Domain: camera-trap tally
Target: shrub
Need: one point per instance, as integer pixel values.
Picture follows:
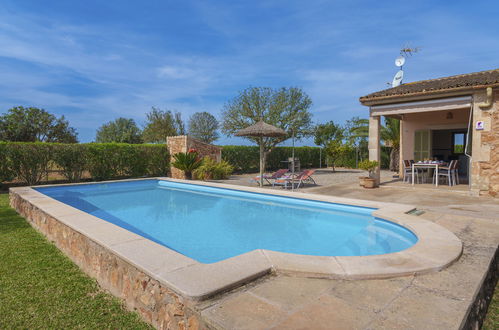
(131, 160)
(158, 159)
(245, 159)
(102, 161)
(210, 169)
(187, 162)
(222, 170)
(30, 161)
(6, 173)
(71, 159)
(110, 160)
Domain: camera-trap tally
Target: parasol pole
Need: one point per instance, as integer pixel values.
(293, 163)
(261, 162)
(259, 131)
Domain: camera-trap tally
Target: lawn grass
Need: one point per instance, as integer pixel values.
(42, 288)
(492, 319)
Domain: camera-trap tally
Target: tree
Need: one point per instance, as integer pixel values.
(286, 108)
(390, 134)
(357, 129)
(31, 124)
(121, 130)
(336, 149)
(357, 135)
(327, 132)
(162, 123)
(203, 126)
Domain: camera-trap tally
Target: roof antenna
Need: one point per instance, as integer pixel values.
(405, 52)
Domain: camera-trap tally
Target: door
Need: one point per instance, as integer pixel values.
(422, 145)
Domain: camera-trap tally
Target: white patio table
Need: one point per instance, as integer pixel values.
(425, 165)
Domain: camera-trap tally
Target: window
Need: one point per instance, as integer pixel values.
(422, 145)
(458, 142)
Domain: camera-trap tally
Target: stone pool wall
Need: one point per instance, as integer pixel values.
(156, 303)
(478, 309)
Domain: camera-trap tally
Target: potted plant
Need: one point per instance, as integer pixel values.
(370, 166)
(362, 179)
(187, 162)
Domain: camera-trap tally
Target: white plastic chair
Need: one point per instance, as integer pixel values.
(449, 172)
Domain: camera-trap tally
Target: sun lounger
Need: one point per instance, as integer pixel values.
(267, 177)
(300, 179)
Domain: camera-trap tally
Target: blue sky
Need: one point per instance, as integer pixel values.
(94, 61)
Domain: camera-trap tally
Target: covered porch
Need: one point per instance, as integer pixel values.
(433, 130)
(452, 119)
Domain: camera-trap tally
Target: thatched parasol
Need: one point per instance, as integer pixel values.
(261, 129)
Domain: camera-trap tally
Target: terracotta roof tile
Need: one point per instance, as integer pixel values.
(482, 78)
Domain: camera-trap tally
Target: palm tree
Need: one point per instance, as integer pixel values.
(357, 134)
(187, 162)
(359, 128)
(390, 134)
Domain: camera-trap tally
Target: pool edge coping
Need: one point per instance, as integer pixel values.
(436, 248)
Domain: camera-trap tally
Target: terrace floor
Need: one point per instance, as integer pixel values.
(437, 301)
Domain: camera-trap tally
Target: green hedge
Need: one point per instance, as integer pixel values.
(349, 159)
(31, 162)
(5, 164)
(246, 159)
(71, 160)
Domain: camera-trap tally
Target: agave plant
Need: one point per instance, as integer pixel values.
(187, 162)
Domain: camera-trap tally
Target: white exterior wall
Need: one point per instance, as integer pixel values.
(413, 122)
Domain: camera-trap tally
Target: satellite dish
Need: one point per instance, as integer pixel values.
(399, 61)
(397, 80)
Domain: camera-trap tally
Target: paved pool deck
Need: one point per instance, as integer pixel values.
(449, 299)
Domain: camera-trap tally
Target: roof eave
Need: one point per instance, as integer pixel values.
(423, 95)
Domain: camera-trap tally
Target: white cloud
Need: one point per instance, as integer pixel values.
(172, 72)
(335, 51)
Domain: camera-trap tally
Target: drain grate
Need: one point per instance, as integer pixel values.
(416, 212)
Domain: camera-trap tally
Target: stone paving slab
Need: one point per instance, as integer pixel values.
(438, 300)
(327, 312)
(419, 308)
(289, 293)
(244, 311)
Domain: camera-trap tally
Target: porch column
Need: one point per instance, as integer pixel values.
(374, 143)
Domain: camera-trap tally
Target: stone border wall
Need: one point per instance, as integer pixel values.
(183, 143)
(478, 310)
(485, 150)
(155, 303)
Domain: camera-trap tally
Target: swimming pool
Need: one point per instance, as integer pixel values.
(210, 224)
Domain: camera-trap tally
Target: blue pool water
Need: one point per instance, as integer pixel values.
(211, 224)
